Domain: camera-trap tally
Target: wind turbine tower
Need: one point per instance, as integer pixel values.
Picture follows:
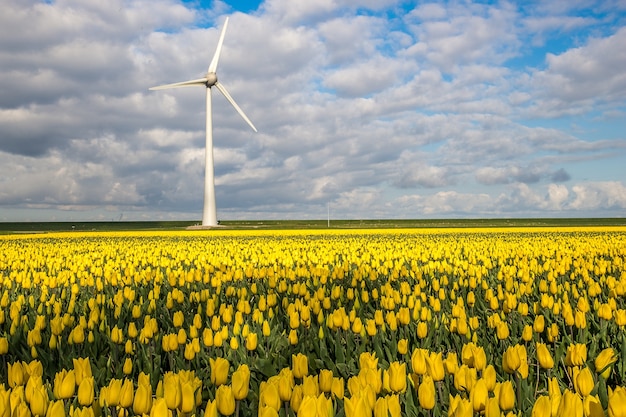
(209, 213)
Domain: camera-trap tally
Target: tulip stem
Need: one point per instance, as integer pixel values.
(439, 387)
(237, 408)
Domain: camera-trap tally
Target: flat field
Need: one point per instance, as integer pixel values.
(370, 318)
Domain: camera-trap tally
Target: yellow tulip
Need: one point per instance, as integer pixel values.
(380, 407)
(225, 400)
(219, 371)
(127, 369)
(542, 407)
(539, 324)
(296, 399)
(325, 380)
(251, 341)
(285, 384)
(418, 361)
(592, 406)
(269, 395)
(510, 360)
(142, 401)
(403, 346)
(464, 378)
(16, 374)
(544, 357)
(308, 407)
(171, 390)
(160, 409)
(604, 361)
(4, 345)
(64, 384)
(299, 365)
(479, 395)
(397, 377)
(422, 329)
(576, 354)
(39, 401)
(211, 409)
(434, 362)
(114, 392)
(82, 369)
(571, 404)
(5, 402)
(56, 409)
(426, 393)
(368, 360)
(293, 337)
(187, 396)
(554, 393)
(338, 388)
(492, 408)
(126, 394)
(489, 376)
(310, 386)
(357, 407)
(506, 396)
(241, 382)
(86, 391)
(451, 363)
(265, 411)
(583, 382)
(617, 402)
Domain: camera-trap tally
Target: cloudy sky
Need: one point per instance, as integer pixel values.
(369, 108)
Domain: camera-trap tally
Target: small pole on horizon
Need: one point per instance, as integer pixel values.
(328, 205)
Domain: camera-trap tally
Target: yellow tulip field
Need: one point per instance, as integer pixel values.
(356, 323)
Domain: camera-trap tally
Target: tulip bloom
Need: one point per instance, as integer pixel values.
(571, 404)
(338, 388)
(426, 393)
(225, 400)
(357, 407)
(126, 394)
(583, 382)
(604, 361)
(544, 357)
(542, 407)
(241, 382)
(325, 380)
(219, 371)
(86, 391)
(434, 362)
(142, 401)
(251, 341)
(82, 369)
(160, 409)
(479, 395)
(56, 409)
(300, 365)
(576, 354)
(16, 374)
(397, 377)
(64, 384)
(39, 401)
(506, 396)
(617, 402)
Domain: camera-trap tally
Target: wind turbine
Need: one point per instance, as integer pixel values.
(209, 213)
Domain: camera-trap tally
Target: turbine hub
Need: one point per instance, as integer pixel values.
(211, 79)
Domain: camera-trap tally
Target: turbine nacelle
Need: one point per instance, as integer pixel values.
(211, 79)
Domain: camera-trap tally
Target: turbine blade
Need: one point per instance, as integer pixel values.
(230, 99)
(218, 51)
(190, 83)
